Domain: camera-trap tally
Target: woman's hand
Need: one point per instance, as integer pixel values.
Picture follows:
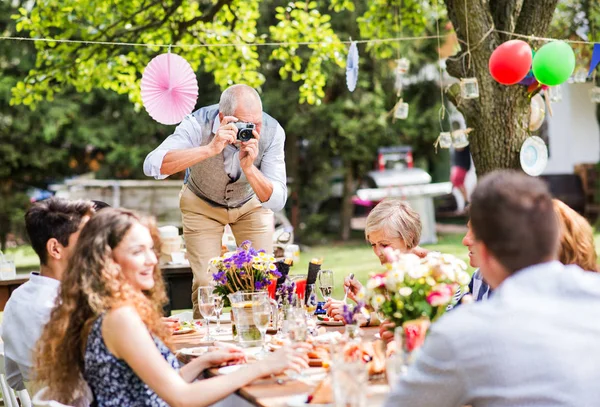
(286, 358)
(386, 331)
(353, 286)
(220, 356)
(334, 309)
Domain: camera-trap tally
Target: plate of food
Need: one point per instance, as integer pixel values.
(184, 327)
(328, 321)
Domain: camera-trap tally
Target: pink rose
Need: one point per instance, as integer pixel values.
(440, 295)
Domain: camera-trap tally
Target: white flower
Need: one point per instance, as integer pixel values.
(361, 294)
(377, 301)
(463, 278)
(405, 291)
(449, 272)
(431, 281)
(372, 284)
(419, 271)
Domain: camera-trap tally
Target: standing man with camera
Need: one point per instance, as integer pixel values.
(233, 154)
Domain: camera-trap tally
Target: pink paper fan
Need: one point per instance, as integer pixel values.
(169, 88)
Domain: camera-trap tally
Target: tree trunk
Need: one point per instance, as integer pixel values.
(500, 116)
(347, 207)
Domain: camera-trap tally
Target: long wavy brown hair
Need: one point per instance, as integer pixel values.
(576, 238)
(92, 285)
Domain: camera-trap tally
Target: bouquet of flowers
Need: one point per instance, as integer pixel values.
(285, 294)
(246, 269)
(413, 291)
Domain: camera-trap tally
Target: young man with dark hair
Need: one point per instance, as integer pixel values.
(53, 227)
(533, 343)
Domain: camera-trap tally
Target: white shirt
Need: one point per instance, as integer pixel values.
(533, 343)
(25, 315)
(189, 134)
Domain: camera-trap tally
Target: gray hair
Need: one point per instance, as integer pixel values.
(235, 93)
(397, 219)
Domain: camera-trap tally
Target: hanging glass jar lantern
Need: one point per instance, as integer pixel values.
(469, 88)
(445, 139)
(595, 94)
(580, 75)
(401, 110)
(402, 66)
(555, 93)
(459, 138)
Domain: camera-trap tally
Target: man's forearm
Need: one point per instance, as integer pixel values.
(179, 160)
(263, 188)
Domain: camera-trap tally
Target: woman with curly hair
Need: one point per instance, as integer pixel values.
(106, 328)
(576, 238)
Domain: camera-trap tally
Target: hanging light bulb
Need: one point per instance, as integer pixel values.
(469, 88)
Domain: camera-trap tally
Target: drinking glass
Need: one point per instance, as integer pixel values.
(326, 283)
(261, 313)
(350, 379)
(218, 301)
(207, 307)
(311, 299)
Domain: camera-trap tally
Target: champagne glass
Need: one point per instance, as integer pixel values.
(326, 283)
(218, 301)
(207, 308)
(261, 313)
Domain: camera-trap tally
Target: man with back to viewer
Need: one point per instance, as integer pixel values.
(227, 181)
(534, 342)
(53, 227)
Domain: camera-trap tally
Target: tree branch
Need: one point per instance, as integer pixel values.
(535, 17)
(204, 17)
(505, 14)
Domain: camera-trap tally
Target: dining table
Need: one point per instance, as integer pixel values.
(270, 392)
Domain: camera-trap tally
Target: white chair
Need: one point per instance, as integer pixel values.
(8, 395)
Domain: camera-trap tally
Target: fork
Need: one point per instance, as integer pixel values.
(351, 276)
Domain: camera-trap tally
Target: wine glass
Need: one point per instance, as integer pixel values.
(326, 283)
(218, 301)
(261, 313)
(207, 308)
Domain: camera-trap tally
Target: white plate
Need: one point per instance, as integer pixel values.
(229, 369)
(300, 401)
(197, 351)
(184, 331)
(224, 318)
(534, 156)
(330, 323)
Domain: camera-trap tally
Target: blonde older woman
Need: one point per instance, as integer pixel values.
(392, 223)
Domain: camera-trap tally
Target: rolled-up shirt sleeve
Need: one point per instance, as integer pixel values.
(187, 135)
(273, 168)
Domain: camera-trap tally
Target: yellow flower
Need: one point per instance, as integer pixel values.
(431, 281)
(272, 267)
(421, 281)
(377, 301)
(361, 294)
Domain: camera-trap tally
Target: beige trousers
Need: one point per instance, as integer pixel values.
(203, 226)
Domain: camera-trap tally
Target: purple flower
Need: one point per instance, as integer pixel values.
(260, 284)
(350, 313)
(220, 277)
(275, 273)
(285, 292)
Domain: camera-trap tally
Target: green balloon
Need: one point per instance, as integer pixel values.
(553, 63)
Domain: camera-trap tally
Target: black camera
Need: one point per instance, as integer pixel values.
(245, 131)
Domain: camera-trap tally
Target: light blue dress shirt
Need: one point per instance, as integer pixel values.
(534, 343)
(189, 135)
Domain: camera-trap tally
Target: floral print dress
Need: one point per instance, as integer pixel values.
(112, 381)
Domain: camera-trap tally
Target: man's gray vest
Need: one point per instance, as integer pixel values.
(208, 179)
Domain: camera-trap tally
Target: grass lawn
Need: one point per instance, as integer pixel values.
(358, 258)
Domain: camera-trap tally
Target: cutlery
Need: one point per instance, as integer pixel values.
(346, 290)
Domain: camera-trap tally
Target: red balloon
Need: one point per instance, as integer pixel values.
(511, 62)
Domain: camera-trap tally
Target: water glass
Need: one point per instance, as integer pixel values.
(350, 380)
(218, 301)
(207, 307)
(311, 299)
(261, 313)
